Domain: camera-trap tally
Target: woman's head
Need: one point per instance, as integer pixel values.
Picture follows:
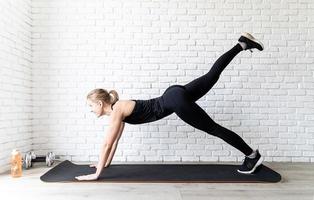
(99, 99)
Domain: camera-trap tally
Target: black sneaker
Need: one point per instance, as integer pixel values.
(251, 42)
(250, 164)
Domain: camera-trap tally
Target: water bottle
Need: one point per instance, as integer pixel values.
(16, 163)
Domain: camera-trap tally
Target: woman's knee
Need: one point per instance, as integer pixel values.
(216, 130)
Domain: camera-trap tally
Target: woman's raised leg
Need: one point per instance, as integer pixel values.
(200, 86)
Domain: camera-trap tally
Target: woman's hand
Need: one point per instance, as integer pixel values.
(89, 177)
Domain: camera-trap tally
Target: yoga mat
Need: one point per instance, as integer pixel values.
(66, 171)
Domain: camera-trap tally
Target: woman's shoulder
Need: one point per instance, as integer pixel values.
(125, 107)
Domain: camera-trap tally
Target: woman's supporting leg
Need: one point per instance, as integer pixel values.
(176, 99)
(200, 86)
(194, 115)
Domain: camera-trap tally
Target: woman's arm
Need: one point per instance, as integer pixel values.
(114, 147)
(112, 135)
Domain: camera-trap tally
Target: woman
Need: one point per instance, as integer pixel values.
(178, 99)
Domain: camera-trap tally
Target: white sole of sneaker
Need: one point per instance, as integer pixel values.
(249, 36)
(259, 162)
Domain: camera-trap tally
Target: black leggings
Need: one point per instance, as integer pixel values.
(181, 100)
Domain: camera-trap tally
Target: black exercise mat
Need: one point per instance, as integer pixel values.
(67, 171)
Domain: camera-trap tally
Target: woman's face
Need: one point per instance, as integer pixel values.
(96, 107)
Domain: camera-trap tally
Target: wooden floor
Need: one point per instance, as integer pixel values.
(297, 184)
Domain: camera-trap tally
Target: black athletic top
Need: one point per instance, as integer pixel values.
(145, 111)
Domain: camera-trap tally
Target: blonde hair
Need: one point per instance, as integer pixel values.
(103, 95)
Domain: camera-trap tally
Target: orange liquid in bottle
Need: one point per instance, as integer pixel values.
(16, 164)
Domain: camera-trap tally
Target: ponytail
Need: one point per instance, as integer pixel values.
(114, 97)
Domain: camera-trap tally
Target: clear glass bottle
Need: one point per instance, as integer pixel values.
(16, 163)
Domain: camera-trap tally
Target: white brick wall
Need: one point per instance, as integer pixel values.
(15, 78)
(140, 48)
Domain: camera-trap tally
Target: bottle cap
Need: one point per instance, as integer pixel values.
(15, 152)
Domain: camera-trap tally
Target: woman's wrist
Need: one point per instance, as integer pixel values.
(98, 172)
